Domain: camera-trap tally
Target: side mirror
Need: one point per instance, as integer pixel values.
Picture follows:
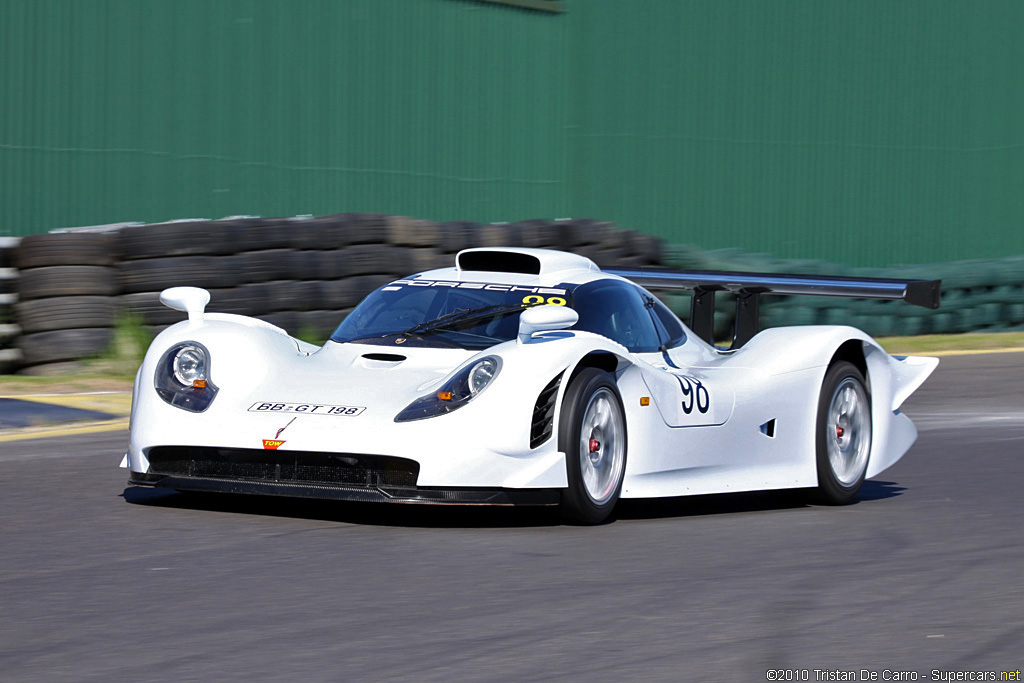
(544, 318)
(192, 300)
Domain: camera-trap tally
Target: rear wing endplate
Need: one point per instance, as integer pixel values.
(748, 287)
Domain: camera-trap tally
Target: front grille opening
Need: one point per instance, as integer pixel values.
(299, 467)
(544, 413)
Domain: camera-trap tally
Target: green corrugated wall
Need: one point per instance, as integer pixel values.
(121, 110)
(868, 133)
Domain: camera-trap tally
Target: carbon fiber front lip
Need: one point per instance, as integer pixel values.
(433, 496)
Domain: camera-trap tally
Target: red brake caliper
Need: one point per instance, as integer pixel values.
(595, 445)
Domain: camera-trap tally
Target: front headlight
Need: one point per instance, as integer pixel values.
(183, 377)
(463, 387)
(190, 365)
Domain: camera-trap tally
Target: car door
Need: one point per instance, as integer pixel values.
(685, 396)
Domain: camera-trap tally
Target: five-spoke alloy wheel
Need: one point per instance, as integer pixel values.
(592, 434)
(843, 433)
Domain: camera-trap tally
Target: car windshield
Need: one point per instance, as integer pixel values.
(468, 315)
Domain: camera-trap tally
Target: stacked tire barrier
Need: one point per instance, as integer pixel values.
(65, 310)
(61, 293)
(10, 354)
(303, 274)
(977, 295)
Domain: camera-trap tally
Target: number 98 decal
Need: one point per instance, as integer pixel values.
(537, 300)
(695, 394)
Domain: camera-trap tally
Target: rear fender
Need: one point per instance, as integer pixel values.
(891, 379)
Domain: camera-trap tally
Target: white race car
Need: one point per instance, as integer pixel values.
(526, 376)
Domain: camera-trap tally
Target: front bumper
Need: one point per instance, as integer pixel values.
(324, 475)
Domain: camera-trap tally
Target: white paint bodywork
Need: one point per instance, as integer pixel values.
(671, 452)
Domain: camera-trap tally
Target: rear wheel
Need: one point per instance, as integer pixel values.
(844, 433)
(592, 434)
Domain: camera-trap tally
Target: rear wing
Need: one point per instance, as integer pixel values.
(748, 287)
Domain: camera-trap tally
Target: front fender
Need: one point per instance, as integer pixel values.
(238, 346)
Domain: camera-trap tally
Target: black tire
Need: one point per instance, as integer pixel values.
(263, 234)
(157, 274)
(844, 431)
(65, 313)
(589, 392)
(260, 266)
(366, 228)
(582, 232)
(8, 285)
(9, 251)
(428, 259)
(147, 306)
(377, 259)
(647, 248)
(237, 300)
(338, 294)
(323, 232)
(66, 249)
(365, 284)
(294, 295)
(456, 236)
(184, 238)
(540, 233)
(497, 235)
(40, 283)
(411, 232)
(306, 265)
(60, 345)
(605, 258)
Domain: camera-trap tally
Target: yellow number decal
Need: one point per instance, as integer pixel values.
(536, 299)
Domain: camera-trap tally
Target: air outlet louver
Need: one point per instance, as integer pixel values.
(544, 413)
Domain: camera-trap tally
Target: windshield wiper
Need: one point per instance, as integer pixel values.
(456, 318)
(461, 317)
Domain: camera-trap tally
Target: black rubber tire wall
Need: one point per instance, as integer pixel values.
(65, 249)
(65, 313)
(39, 283)
(48, 347)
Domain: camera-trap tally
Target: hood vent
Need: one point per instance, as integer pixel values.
(379, 361)
(387, 357)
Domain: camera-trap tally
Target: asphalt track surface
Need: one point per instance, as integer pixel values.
(19, 413)
(924, 572)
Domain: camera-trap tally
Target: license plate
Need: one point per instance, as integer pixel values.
(306, 409)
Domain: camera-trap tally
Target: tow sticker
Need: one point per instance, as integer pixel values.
(276, 442)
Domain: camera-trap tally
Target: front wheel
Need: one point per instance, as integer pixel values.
(844, 433)
(592, 434)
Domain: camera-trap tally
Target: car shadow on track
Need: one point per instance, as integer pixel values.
(483, 516)
(752, 501)
(369, 514)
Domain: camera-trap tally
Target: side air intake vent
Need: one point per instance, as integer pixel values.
(499, 262)
(544, 413)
